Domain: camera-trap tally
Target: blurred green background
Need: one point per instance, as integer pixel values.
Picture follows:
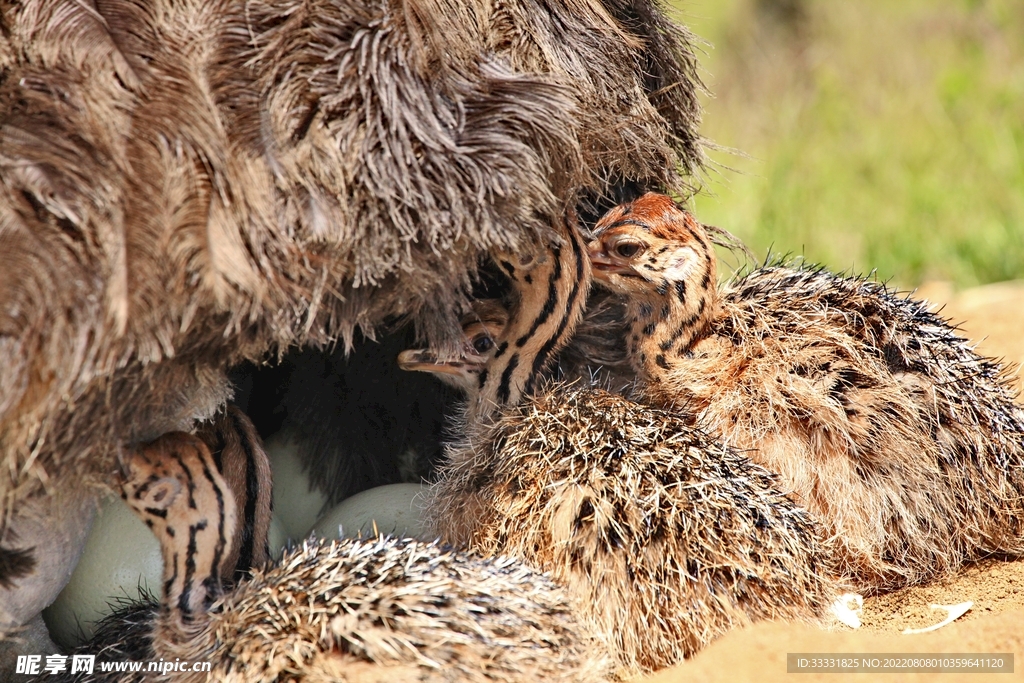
(878, 134)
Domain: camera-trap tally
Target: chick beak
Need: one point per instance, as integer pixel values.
(425, 360)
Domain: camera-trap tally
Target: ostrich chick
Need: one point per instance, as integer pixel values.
(383, 610)
(665, 538)
(879, 418)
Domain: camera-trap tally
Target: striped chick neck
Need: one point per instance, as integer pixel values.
(174, 486)
(551, 294)
(240, 458)
(662, 261)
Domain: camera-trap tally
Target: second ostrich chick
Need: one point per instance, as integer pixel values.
(905, 443)
(356, 611)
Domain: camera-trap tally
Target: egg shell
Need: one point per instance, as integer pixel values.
(295, 503)
(396, 509)
(277, 538)
(121, 554)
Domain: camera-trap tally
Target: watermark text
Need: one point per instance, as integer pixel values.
(35, 665)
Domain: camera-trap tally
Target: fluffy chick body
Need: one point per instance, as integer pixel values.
(665, 538)
(877, 415)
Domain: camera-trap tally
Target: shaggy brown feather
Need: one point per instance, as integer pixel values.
(933, 473)
(186, 185)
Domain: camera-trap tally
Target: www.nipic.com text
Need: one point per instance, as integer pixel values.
(32, 665)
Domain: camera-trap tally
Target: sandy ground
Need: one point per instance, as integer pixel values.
(994, 316)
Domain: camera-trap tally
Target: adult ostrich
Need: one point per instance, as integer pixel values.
(186, 185)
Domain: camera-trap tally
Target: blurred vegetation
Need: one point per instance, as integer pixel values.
(879, 135)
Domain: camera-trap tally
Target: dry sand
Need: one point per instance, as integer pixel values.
(994, 316)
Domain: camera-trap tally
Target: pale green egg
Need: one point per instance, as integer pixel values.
(277, 538)
(394, 510)
(121, 554)
(295, 502)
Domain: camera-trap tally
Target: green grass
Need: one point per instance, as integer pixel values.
(879, 135)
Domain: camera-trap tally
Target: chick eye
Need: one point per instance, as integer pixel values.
(627, 249)
(482, 344)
